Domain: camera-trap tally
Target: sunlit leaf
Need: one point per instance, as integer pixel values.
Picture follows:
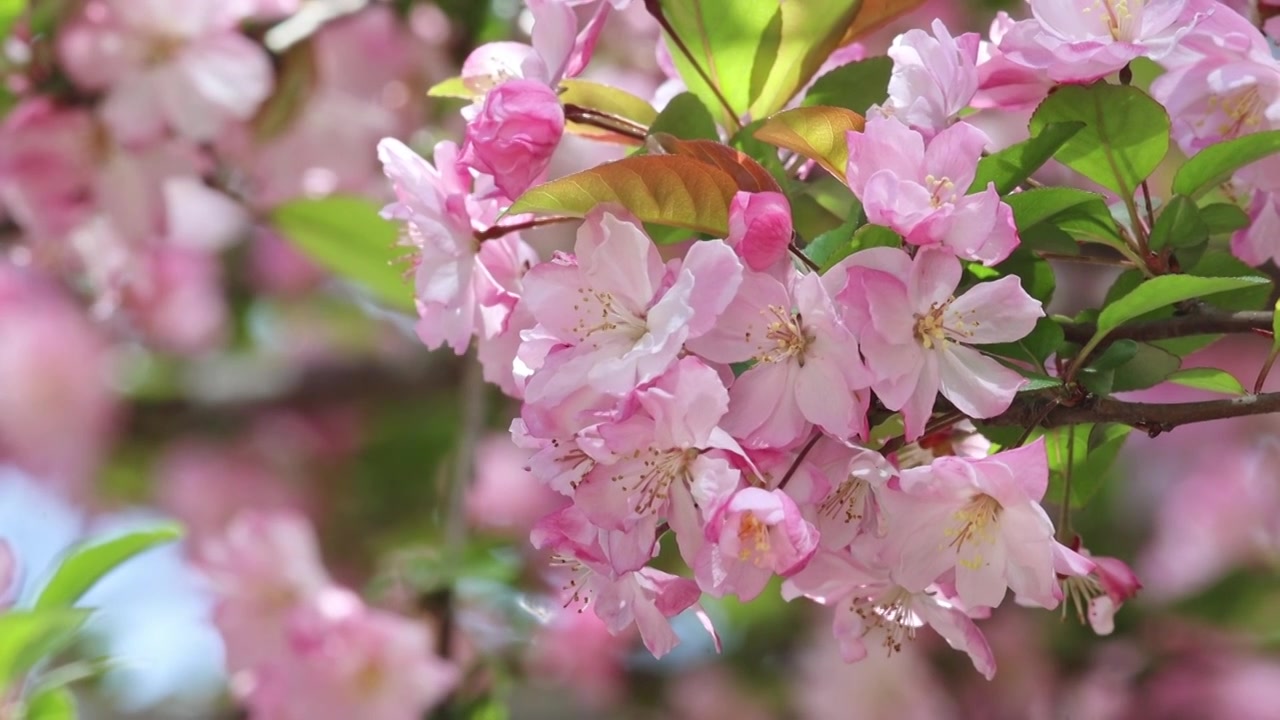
(874, 14)
(348, 237)
(818, 133)
(1010, 167)
(1124, 138)
(1211, 379)
(661, 189)
(1215, 164)
(26, 638)
(454, 87)
(747, 174)
(685, 116)
(855, 86)
(806, 32)
(609, 101)
(89, 563)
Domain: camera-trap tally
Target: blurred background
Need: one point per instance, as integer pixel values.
(172, 345)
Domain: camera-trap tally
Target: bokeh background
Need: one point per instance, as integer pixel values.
(204, 364)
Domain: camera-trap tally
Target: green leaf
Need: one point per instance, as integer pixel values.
(1124, 138)
(1037, 382)
(1092, 450)
(453, 87)
(1117, 353)
(1211, 379)
(1010, 167)
(1179, 225)
(1224, 264)
(26, 638)
(87, 564)
(685, 117)
(856, 86)
(1036, 206)
(765, 154)
(819, 133)
(758, 54)
(1149, 367)
(663, 189)
(833, 246)
(53, 704)
(1215, 164)
(10, 11)
(348, 237)
(1221, 218)
(1038, 278)
(1163, 291)
(869, 236)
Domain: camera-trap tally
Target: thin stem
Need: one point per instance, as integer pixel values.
(795, 250)
(1087, 259)
(1064, 512)
(605, 121)
(1266, 370)
(472, 397)
(498, 231)
(1146, 198)
(795, 464)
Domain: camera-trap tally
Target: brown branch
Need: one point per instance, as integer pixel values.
(605, 121)
(1153, 418)
(1207, 322)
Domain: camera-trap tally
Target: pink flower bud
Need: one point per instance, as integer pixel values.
(513, 137)
(760, 228)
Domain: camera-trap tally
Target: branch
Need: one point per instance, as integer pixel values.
(1154, 418)
(1206, 322)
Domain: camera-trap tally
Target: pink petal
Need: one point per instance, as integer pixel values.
(977, 385)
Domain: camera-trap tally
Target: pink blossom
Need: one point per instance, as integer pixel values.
(866, 600)
(1259, 241)
(182, 67)
(1118, 583)
(755, 535)
(1083, 40)
(513, 136)
(661, 460)
(501, 267)
(760, 231)
(1219, 98)
(611, 317)
(919, 191)
(934, 77)
(58, 409)
(345, 660)
(840, 499)
(1004, 84)
(263, 567)
(177, 300)
(47, 166)
(437, 209)
(503, 495)
(621, 595)
(804, 355)
(982, 520)
(917, 336)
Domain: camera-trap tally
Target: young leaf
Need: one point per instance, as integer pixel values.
(874, 14)
(1035, 206)
(685, 117)
(818, 133)
(799, 39)
(26, 638)
(52, 704)
(1117, 353)
(755, 56)
(1149, 367)
(1179, 225)
(1092, 449)
(1221, 218)
(86, 565)
(1163, 291)
(856, 86)
(607, 99)
(1010, 167)
(1124, 138)
(1211, 379)
(662, 189)
(347, 236)
(833, 246)
(748, 174)
(1215, 164)
(454, 87)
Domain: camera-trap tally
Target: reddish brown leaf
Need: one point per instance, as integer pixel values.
(745, 171)
(875, 14)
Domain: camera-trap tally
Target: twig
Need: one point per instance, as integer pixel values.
(1205, 322)
(605, 121)
(498, 231)
(795, 464)
(799, 253)
(1153, 418)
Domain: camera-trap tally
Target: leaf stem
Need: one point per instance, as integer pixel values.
(605, 121)
(655, 9)
(497, 231)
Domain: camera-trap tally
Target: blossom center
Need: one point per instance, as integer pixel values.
(577, 588)
(890, 612)
(162, 49)
(659, 469)
(1118, 16)
(790, 337)
(849, 500)
(1242, 111)
(754, 543)
(975, 523)
(613, 317)
(942, 190)
(939, 325)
